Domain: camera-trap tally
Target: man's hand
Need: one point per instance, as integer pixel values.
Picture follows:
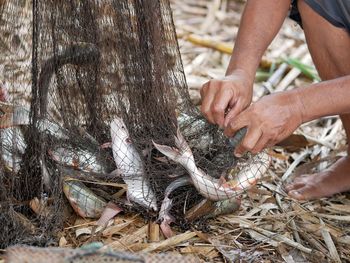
(230, 95)
(269, 120)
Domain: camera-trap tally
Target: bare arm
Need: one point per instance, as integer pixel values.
(326, 98)
(276, 116)
(260, 22)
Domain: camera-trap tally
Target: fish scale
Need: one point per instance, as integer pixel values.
(130, 166)
(83, 200)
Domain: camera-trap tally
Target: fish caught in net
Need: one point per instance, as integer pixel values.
(93, 101)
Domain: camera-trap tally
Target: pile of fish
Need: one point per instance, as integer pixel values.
(221, 194)
(90, 158)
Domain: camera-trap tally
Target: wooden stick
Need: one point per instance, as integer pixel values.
(329, 243)
(170, 242)
(223, 47)
(153, 232)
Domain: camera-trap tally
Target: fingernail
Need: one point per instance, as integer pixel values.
(294, 194)
(238, 155)
(225, 124)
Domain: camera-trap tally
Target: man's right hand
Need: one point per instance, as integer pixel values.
(225, 98)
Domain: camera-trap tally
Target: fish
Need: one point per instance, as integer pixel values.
(208, 186)
(12, 148)
(207, 209)
(244, 176)
(12, 143)
(164, 217)
(12, 115)
(81, 159)
(224, 207)
(84, 202)
(130, 166)
(196, 128)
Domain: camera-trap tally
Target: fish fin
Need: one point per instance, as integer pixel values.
(106, 145)
(76, 207)
(165, 226)
(237, 186)
(4, 96)
(146, 152)
(179, 139)
(110, 211)
(166, 229)
(180, 142)
(168, 151)
(162, 159)
(174, 175)
(115, 173)
(222, 181)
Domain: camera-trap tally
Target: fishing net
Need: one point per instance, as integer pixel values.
(18, 254)
(93, 94)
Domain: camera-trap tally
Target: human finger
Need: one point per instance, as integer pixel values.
(220, 104)
(294, 186)
(235, 109)
(207, 96)
(234, 125)
(262, 143)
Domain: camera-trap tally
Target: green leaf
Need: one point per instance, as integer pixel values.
(307, 70)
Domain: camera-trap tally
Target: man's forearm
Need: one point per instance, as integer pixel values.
(324, 99)
(260, 22)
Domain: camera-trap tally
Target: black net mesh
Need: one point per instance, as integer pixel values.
(94, 91)
(18, 254)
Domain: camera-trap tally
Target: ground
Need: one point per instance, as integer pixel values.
(269, 226)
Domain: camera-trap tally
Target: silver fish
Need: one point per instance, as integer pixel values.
(164, 217)
(192, 127)
(80, 159)
(224, 207)
(12, 115)
(210, 187)
(13, 146)
(130, 166)
(206, 209)
(84, 202)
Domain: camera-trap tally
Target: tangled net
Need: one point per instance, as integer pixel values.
(19, 254)
(94, 91)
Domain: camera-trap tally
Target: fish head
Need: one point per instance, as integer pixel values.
(119, 129)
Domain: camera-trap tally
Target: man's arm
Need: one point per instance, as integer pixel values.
(274, 117)
(260, 22)
(326, 98)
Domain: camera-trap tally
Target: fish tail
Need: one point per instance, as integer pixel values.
(170, 152)
(182, 154)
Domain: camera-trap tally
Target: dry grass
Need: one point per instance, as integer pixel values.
(269, 226)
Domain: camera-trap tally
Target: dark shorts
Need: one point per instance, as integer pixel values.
(337, 12)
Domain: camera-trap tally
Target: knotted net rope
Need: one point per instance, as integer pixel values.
(88, 88)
